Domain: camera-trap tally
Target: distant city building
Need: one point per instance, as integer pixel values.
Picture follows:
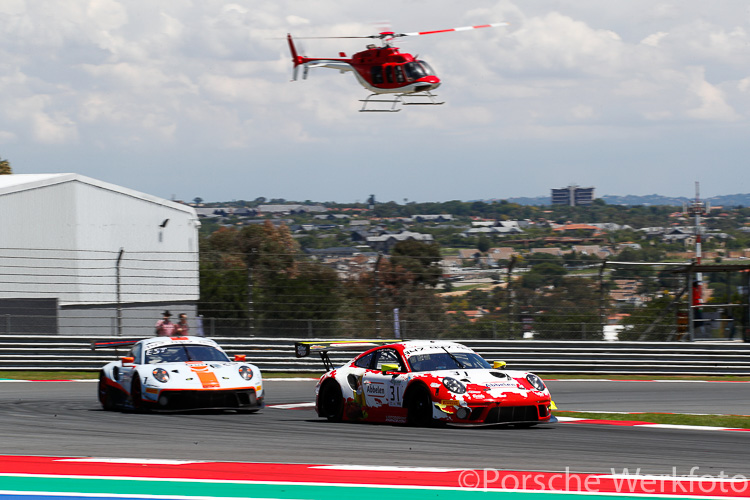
(573, 196)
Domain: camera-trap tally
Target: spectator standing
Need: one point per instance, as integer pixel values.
(182, 328)
(165, 327)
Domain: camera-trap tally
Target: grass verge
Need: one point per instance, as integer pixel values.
(714, 378)
(732, 421)
(47, 375)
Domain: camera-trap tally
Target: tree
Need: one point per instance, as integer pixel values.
(306, 302)
(483, 243)
(257, 277)
(654, 321)
(419, 259)
(5, 167)
(197, 200)
(544, 274)
(404, 282)
(569, 311)
(223, 281)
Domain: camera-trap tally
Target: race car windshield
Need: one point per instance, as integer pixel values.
(184, 352)
(447, 361)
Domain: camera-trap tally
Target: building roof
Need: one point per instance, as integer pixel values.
(405, 235)
(551, 251)
(571, 227)
(15, 183)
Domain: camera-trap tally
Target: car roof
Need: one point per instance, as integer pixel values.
(165, 341)
(423, 345)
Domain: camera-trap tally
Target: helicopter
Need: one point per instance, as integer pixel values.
(392, 76)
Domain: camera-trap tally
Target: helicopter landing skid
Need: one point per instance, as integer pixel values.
(419, 99)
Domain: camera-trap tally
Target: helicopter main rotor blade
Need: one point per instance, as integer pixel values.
(329, 37)
(464, 28)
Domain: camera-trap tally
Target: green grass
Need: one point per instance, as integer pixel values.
(732, 421)
(597, 376)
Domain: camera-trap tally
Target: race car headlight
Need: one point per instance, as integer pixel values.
(161, 375)
(535, 381)
(454, 385)
(246, 372)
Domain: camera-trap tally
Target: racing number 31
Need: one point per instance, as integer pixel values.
(395, 393)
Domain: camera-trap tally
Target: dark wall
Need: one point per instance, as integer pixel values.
(34, 316)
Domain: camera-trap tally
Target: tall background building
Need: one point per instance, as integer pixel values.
(573, 195)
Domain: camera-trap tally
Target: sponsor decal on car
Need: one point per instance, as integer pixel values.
(375, 390)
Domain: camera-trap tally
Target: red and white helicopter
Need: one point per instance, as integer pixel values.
(384, 70)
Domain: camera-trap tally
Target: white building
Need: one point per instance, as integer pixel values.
(80, 256)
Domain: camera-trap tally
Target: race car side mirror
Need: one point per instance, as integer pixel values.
(239, 357)
(126, 360)
(388, 368)
(499, 365)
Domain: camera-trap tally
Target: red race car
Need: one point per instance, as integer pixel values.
(425, 382)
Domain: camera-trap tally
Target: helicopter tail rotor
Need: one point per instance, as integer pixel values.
(296, 58)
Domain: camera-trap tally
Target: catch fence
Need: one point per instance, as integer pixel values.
(361, 294)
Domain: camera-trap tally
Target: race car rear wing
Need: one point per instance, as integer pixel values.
(113, 344)
(304, 349)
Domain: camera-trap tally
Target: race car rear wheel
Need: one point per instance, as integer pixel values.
(107, 395)
(419, 407)
(330, 401)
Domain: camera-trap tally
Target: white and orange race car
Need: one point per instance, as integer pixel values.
(178, 373)
(426, 382)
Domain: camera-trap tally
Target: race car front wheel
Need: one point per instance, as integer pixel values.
(419, 407)
(330, 401)
(135, 393)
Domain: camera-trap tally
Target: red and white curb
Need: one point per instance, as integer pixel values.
(638, 423)
(660, 381)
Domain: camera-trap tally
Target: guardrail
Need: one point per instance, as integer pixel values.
(56, 352)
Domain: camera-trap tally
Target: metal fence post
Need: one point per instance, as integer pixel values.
(602, 299)
(119, 301)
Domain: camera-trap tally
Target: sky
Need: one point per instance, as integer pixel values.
(188, 99)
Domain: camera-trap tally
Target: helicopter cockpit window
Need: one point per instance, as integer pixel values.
(389, 74)
(377, 74)
(428, 69)
(399, 74)
(414, 71)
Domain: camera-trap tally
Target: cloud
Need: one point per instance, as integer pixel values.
(211, 78)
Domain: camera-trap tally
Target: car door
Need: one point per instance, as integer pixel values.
(385, 389)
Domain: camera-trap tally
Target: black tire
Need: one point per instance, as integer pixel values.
(419, 407)
(135, 393)
(331, 402)
(107, 395)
